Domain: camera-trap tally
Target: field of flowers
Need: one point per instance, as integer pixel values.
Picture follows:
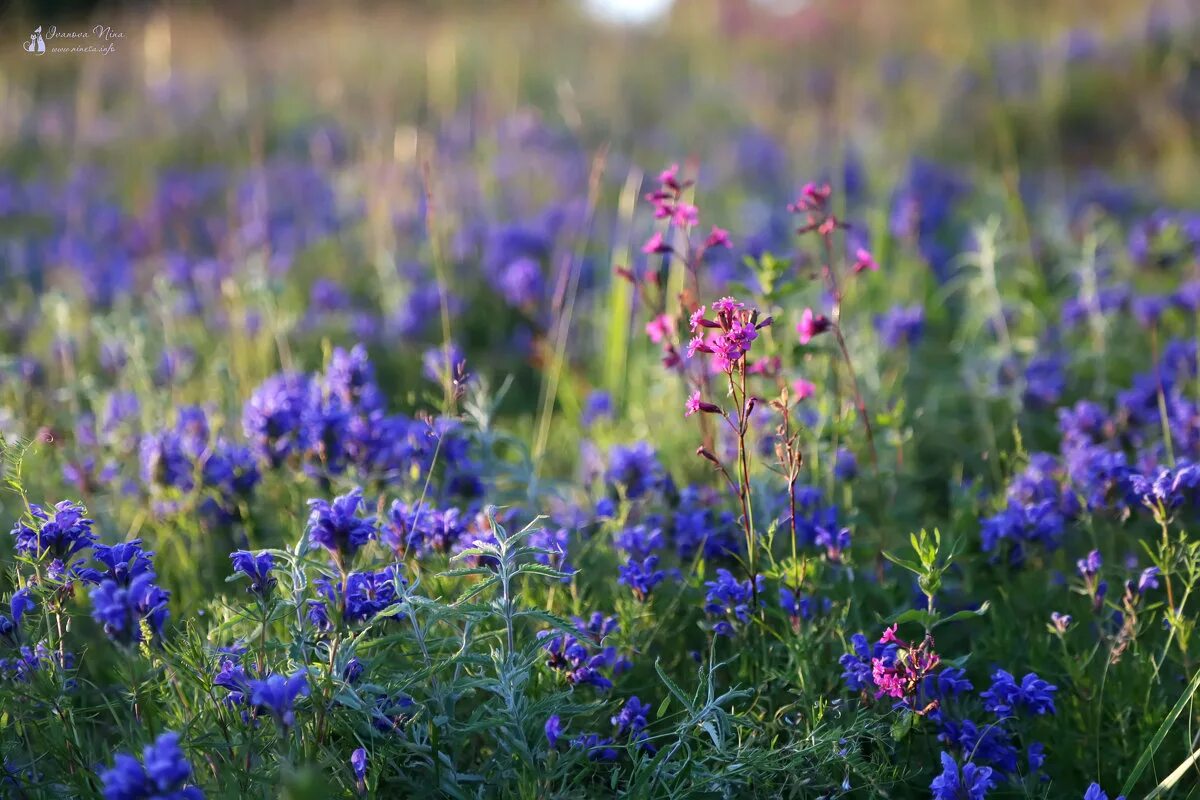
(498, 402)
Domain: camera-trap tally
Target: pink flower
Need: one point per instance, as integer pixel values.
(696, 318)
(889, 637)
(670, 177)
(686, 214)
(718, 238)
(656, 244)
(863, 260)
(698, 345)
(659, 327)
(811, 325)
(888, 679)
(803, 389)
(727, 306)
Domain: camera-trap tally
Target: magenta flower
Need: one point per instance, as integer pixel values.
(693, 404)
(656, 244)
(863, 260)
(685, 214)
(660, 327)
(811, 325)
(718, 238)
(803, 389)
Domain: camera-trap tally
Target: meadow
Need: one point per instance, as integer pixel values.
(496, 401)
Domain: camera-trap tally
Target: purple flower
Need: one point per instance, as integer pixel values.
(162, 774)
(972, 783)
(256, 567)
(642, 576)
(273, 419)
(358, 762)
(58, 535)
(277, 696)
(1006, 696)
(1148, 579)
(901, 326)
(337, 527)
(121, 609)
(1094, 792)
(553, 730)
(730, 600)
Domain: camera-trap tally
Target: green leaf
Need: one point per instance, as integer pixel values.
(965, 614)
(673, 687)
(911, 566)
(1161, 734)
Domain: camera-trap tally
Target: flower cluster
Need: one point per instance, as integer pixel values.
(727, 338)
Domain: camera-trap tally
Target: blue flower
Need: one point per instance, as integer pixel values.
(58, 536)
(277, 696)
(125, 562)
(901, 326)
(121, 609)
(162, 774)
(730, 600)
(642, 576)
(273, 418)
(256, 567)
(635, 470)
(21, 602)
(597, 748)
(1094, 792)
(337, 527)
(856, 665)
(1005, 696)
(358, 762)
(971, 784)
(553, 730)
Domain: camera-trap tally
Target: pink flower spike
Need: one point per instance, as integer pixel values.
(686, 214)
(718, 238)
(693, 404)
(811, 325)
(727, 306)
(656, 244)
(863, 260)
(658, 328)
(670, 176)
(803, 389)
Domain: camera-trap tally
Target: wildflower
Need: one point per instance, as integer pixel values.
(1060, 622)
(642, 576)
(553, 730)
(358, 763)
(274, 416)
(972, 783)
(901, 326)
(1148, 579)
(834, 543)
(905, 672)
(798, 607)
(597, 748)
(656, 244)
(597, 406)
(277, 696)
(718, 238)
(256, 567)
(730, 600)
(576, 661)
(863, 261)
(125, 561)
(631, 722)
(635, 469)
(369, 593)
(121, 609)
(19, 604)
(234, 679)
(845, 465)
(162, 774)
(337, 527)
(1006, 696)
(59, 535)
(1094, 792)
(803, 389)
(949, 682)
(811, 325)
(660, 328)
